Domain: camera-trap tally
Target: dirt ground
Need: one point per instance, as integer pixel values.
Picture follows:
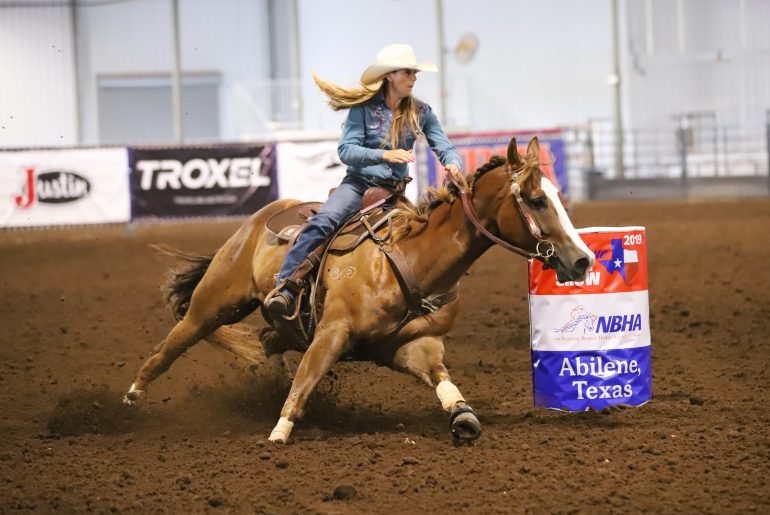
(81, 308)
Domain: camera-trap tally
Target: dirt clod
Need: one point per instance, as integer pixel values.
(344, 492)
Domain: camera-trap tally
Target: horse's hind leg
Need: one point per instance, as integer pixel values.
(274, 347)
(205, 315)
(184, 335)
(423, 357)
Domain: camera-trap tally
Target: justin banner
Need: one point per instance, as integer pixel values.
(591, 339)
(64, 187)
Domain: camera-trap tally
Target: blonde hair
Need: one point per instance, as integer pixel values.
(405, 118)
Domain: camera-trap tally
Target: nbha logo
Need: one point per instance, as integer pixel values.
(594, 324)
(52, 187)
(619, 323)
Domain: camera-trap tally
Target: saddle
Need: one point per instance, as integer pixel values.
(287, 225)
(374, 215)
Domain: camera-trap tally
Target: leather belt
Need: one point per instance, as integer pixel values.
(390, 183)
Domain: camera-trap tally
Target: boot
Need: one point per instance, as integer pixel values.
(281, 302)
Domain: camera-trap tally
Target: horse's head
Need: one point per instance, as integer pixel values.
(532, 215)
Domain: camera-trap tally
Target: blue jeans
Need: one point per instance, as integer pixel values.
(341, 205)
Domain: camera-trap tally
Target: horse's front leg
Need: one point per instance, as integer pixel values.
(424, 357)
(331, 341)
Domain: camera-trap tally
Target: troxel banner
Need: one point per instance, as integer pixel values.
(591, 340)
(64, 187)
(193, 181)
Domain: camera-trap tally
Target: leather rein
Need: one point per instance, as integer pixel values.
(544, 248)
(417, 305)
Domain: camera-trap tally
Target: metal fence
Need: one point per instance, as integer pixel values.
(693, 152)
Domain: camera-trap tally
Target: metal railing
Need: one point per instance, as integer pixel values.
(694, 147)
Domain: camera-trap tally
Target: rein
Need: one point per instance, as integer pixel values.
(548, 249)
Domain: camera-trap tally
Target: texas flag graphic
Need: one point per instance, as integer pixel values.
(623, 261)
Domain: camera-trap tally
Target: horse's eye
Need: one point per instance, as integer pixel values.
(538, 202)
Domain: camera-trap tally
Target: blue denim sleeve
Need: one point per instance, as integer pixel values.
(438, 141)
(351, 149)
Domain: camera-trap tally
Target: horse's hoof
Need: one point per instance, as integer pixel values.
(130, 398)
(278, 439)
(464, 425)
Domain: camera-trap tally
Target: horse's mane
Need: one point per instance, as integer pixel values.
(408, 213)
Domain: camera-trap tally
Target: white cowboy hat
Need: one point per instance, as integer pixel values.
(391, 58)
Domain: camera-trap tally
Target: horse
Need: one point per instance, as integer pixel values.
(368, 308)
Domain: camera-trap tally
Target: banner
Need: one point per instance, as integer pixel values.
(591, 339)
(308, 170)
(477, 149)
(195, 181)
(64, 187)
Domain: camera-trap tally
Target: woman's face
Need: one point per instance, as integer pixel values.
(402, 82)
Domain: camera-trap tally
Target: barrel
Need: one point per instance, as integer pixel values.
(591, 339)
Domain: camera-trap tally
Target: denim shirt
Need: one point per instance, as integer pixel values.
(361, 147)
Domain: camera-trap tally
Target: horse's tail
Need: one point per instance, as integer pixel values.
(182, 281)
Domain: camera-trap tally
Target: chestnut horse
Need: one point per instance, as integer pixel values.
(509, 202)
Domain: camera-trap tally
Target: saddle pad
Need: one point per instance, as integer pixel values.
(285, 224)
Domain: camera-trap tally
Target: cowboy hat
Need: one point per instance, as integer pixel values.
(391, 58)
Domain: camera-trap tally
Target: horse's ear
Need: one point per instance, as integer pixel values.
(533, 149)
(513, 153)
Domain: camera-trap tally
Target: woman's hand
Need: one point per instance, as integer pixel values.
(398, 156)
(451, 170)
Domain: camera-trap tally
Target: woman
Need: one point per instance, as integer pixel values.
(376, 145)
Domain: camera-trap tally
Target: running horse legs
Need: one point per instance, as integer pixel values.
(330, 343)
(211, 306)
(423, 357)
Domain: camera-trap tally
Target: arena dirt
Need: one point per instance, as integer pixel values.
(81, 308)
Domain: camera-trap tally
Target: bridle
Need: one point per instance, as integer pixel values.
(544, 248)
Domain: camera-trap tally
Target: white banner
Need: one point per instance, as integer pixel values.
(64, 187)
(308, 170)
(590, 322)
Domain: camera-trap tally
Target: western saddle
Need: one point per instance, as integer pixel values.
(376, 213)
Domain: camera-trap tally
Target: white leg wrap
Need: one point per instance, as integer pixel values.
(448, 394)
(281, 431)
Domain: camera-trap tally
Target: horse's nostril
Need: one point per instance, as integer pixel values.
(582, 264)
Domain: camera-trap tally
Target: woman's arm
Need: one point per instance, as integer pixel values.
(438, 141)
